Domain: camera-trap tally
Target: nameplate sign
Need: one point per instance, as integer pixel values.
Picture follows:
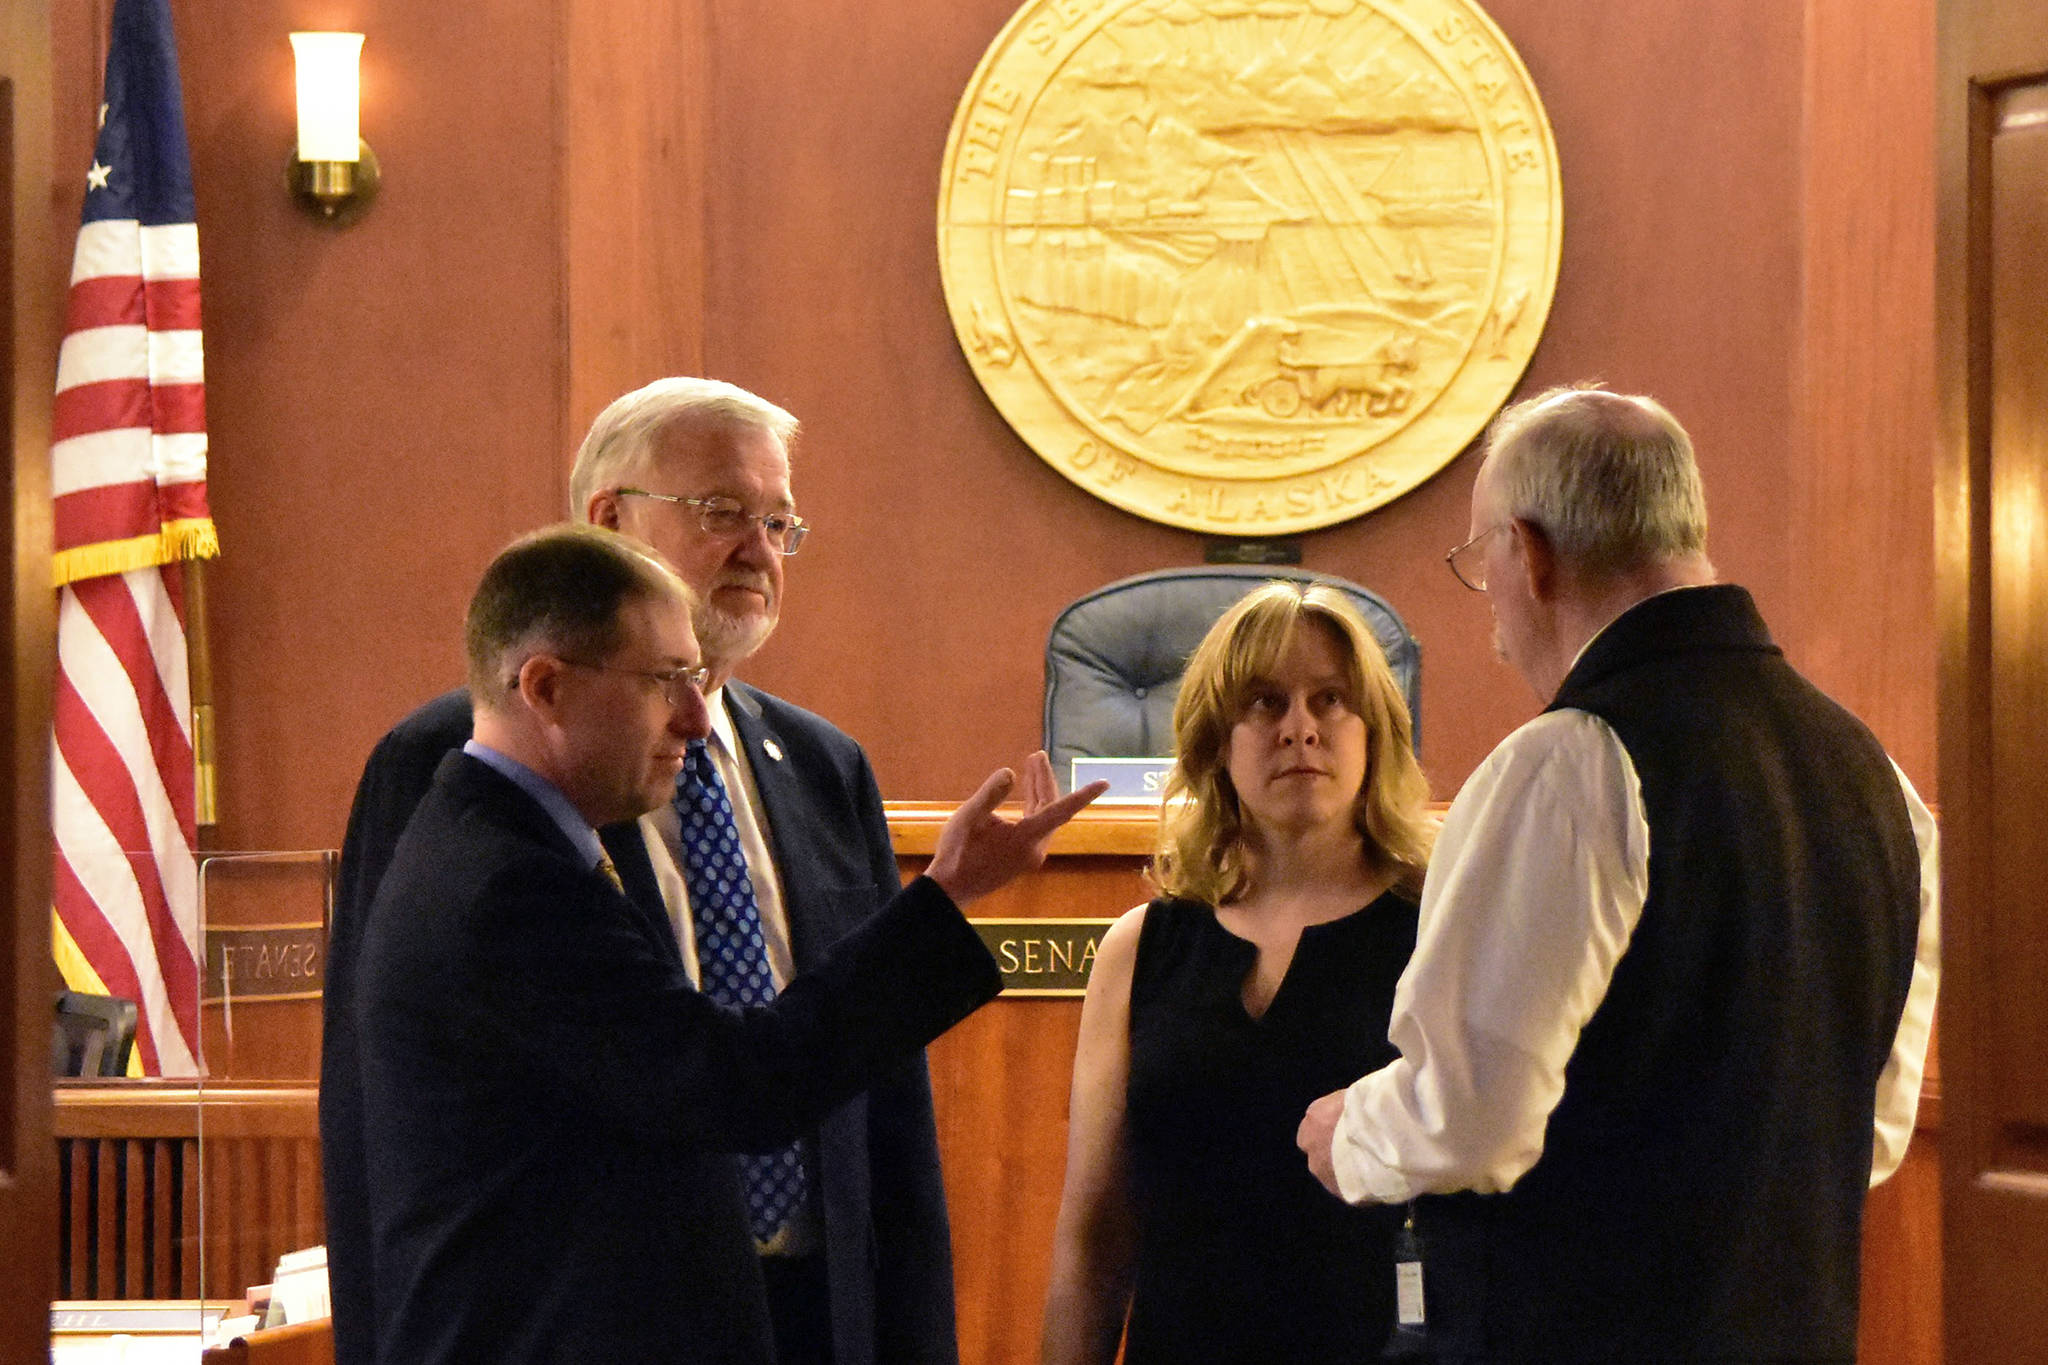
(1043, 956)
(274, 962)
(1132, 781)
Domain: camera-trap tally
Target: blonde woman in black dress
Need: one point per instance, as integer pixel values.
(1290, 858)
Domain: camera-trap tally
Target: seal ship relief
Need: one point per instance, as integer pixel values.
(1253, 266)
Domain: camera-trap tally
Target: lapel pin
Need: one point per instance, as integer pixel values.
(774, 749)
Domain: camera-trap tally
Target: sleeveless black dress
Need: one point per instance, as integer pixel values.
(1242, 1256)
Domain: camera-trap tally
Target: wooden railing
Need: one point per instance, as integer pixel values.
(171, 1191)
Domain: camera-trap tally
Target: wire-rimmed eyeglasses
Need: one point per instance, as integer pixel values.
(669, 680)
(725, 518)
(1474, 579)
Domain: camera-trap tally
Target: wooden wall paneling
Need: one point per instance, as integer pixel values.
(390, 402)
(1681, 276)
(385, 399)
(1992, 580)
(1859, 496)
(634, 108)
(1901, 1308)
(31, 281)
(1859, 476)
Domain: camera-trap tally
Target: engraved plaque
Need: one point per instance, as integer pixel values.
(1049, 957)
(265, 962)
(1250, 267)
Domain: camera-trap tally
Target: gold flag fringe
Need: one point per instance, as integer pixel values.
(194, 538)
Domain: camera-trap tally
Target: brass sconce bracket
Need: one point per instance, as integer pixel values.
(335, 192)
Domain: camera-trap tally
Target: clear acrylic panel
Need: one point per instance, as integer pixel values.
(188, 1177)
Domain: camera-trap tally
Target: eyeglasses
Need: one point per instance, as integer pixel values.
(725, 518)
(669, 680)
(1475, 580)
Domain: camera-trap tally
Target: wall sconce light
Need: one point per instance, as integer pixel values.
(334, 173)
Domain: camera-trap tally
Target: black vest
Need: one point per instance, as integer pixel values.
(1700, 1193)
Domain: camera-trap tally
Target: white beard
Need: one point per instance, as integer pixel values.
(731, 639)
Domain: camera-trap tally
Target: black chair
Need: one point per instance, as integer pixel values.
(92, 1035)
(1114, 659)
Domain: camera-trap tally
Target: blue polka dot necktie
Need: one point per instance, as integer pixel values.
(732, 956)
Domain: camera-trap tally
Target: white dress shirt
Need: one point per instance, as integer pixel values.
(662, 830)
(1534, 890)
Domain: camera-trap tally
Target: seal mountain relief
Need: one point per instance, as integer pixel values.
(1249, 266)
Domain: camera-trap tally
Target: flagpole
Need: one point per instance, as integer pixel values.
(199, 663)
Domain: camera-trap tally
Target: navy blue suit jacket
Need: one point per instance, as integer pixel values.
(887, 1248)
(541, 1085)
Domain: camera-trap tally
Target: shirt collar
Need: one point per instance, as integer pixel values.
(1682, 587)
(721, 721)
(581, 836)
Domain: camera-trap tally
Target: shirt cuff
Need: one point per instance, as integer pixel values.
(1361, 1178)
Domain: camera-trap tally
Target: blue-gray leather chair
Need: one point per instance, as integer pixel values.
(93, 1035)
(1114, 658)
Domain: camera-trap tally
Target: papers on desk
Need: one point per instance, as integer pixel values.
(131, 1331)
(298, 1291)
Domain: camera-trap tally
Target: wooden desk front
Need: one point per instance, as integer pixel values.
(999, 1081)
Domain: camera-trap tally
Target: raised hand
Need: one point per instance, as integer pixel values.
(980, 851)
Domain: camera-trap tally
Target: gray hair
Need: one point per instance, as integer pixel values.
(621, 441)
(1609, 477)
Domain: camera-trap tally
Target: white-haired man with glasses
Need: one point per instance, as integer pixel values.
(1676, 964)
(850, 1224)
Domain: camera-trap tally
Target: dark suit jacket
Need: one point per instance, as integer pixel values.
(887, 1247)
(543, 1091)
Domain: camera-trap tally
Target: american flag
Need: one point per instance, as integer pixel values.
(128, 456)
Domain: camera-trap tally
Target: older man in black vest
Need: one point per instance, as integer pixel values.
(1669, 1006)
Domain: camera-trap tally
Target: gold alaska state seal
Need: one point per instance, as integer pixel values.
(1249, 266)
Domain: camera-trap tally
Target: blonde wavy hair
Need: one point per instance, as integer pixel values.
(1202, 842)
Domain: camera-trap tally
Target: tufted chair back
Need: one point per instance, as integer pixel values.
(1114, 659)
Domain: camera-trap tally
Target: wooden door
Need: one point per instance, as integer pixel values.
(28, 300)
(1992, 569)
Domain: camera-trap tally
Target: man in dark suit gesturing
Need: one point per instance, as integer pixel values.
(860, 1271)
(542, 1086)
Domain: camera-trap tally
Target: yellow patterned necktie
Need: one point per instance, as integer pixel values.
(611, 872)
